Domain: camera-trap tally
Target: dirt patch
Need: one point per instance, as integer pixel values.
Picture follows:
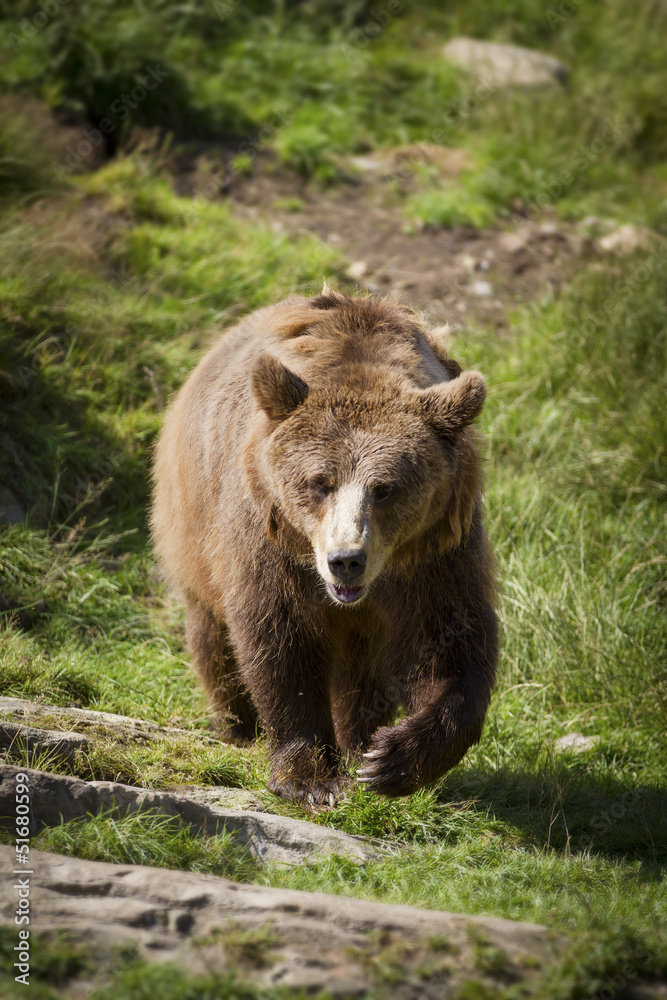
(464, 276)
(460, 275)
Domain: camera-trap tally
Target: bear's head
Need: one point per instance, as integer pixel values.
(360, 469)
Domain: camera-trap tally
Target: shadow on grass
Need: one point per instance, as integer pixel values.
(560, 808)
(60, 453)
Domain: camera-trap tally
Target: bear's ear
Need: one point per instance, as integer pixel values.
(277, 390)
(451, 406)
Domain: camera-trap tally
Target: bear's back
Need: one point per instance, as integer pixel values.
(340, 333)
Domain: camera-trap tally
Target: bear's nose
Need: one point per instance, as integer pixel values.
(347, 564)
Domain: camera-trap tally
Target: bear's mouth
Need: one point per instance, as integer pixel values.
(347, 595)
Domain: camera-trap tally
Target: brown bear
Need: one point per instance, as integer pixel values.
(317, 505)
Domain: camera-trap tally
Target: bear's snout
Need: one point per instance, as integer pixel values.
(347, 564)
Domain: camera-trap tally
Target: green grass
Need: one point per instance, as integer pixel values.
(148, 839)
(318, 88)
(71, 335)
(450, 206)
(141, 981)
(111, 286)
(574, 499)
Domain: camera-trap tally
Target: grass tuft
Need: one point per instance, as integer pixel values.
(148, 839)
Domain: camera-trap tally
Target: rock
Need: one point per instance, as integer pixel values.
(549, 230)
(357, 270)
(402, 161)
(511, 243)
(576, 743)
(366, 164)
(58, 745)
(466, 261)
(626, 239)
(58, 798)
(505, 65)
(590, 223)
(30, 712)
(311, 940)
(481, 289)
(521, 237)
(228, 798)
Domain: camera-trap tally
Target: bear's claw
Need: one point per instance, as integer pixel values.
(390, 768)
(312, 794)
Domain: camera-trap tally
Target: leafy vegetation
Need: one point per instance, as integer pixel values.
(350, 78)
(112, 285)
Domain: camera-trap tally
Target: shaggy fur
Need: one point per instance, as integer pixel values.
(316, 424)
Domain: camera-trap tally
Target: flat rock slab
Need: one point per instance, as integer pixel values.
(505, 65)
(55, 743)
(317, 941)
(24, 711)
(59, 798)
(228, 798)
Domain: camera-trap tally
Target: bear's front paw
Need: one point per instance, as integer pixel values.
(309, 774)
(321, 791)
(391, 766)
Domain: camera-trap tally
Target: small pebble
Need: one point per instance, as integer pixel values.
(576, 742)
(480, 288)
(357, 270)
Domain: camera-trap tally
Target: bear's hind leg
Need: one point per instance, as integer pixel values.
(214, 660)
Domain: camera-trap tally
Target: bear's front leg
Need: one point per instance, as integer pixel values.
(451, 696)
(286, 671)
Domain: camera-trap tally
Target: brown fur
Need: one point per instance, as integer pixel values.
(306, 416)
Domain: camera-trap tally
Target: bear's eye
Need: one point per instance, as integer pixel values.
(319, 487)
(383, 492)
